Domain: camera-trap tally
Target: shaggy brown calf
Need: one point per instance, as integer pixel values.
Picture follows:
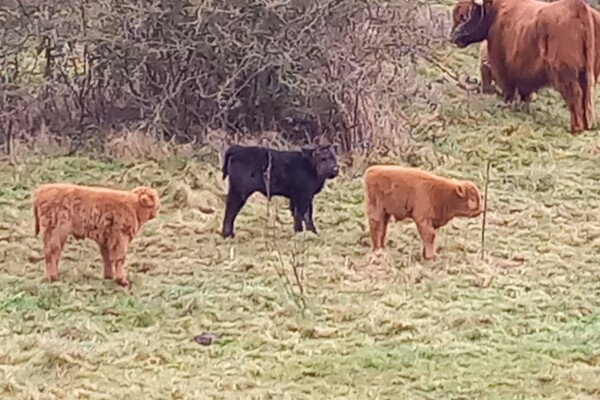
(485, 72)
(109, 217)
(429, 200)
(486, 76)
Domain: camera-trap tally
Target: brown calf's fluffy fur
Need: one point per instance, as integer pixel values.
(485, 72)
(431, 201)
(109, 217)
(533, 44)
(486, 76)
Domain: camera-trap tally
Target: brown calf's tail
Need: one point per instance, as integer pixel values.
(36, 218)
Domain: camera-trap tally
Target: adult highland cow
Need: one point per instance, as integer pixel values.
(534, 44)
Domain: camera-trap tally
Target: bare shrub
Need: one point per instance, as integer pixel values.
(335, 70)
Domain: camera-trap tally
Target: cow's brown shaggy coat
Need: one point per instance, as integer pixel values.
(431, 201)
(532, 44)
(109, 217)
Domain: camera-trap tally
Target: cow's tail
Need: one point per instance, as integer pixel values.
(226, 159)
(588, 81)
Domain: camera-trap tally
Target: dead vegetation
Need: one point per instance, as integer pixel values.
(343, 71)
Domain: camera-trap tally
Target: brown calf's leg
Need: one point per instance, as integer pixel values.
(427, 233)
(116, 254)
(121, 274)
(54, 241)
(378, 229)
(108, 266)
(486, 79)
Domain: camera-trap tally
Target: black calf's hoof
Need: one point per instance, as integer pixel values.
(227, 235)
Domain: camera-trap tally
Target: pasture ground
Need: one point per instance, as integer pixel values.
(523, 322)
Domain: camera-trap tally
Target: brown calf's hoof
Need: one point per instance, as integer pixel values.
(428, 257)
(124, 282)
(51, 278)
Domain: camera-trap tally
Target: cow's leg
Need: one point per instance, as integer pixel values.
(378, 223)
(588, 89)
(234, 203)
(508, 93)
(573, 96)
(526, 98)
(298, 227)
(108, 266)
(427, 233)
(54, 241)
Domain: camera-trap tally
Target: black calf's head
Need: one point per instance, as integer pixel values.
(471, 20)
(324, 160)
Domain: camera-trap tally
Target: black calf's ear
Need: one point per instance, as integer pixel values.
(307, 152)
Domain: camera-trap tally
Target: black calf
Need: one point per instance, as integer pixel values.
(296, 175)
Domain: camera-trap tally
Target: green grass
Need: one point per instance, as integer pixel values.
(522, 323)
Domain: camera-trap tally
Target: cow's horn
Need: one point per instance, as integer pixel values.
(478, 2)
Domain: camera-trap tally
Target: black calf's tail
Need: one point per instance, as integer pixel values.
(226, 158)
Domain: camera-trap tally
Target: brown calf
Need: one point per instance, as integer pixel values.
(109, 217)
(429, 200)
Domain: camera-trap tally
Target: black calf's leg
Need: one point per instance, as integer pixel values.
(308, 217)
(298, 227)
(304, 212)
(234, 203)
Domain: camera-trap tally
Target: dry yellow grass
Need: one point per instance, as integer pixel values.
(522, 323)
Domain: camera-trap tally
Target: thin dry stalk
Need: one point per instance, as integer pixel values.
(485, 204)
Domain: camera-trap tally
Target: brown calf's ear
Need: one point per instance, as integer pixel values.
(145, 197)
(461, 190)
(146, 200)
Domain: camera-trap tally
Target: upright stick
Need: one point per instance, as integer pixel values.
(485, 200)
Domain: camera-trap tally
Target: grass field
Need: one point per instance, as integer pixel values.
(523, 323)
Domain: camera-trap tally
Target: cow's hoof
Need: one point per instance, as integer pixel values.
(51, 278)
